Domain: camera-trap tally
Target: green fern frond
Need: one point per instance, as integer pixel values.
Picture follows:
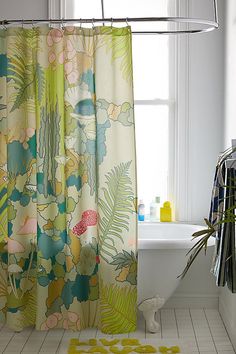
(114, 208)
(28, 314)
(118, 308)
(121, 49)
(26, 76)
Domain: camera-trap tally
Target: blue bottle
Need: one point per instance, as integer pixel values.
(141, 211)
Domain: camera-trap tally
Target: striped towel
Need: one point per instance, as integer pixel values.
(223, 199)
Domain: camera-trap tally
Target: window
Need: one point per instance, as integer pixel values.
(154, 91)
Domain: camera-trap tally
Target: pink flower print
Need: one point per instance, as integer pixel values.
(70, 50)
(73, 77)
(79, 228)
(90, 217)
(51, 57)
(72, 317)
(61, 58)
(54, 36)
(52, 321)
(29, 227)
(14, 246)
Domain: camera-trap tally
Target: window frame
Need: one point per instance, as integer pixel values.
(178, 104)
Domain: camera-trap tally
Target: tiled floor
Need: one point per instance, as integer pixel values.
(203, 330)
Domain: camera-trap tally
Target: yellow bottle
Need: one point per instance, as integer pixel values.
(165, 213)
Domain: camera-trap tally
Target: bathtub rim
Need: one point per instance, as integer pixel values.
(150, 243)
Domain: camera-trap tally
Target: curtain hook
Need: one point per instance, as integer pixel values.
(62, 24)
(127, 23)
(111, 22)
(22, 23)
(32, 24)
(4, 25)
(80, 26)
(93, 23)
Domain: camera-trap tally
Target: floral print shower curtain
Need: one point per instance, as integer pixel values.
(67, 179)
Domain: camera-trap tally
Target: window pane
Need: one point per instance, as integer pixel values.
(151, 67)
(83, 9)
(152, 140)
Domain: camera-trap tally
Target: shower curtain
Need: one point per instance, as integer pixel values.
(67, 179)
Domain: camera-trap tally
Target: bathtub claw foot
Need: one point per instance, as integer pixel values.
(149, 308)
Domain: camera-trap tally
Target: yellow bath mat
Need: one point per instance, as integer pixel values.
(117, 346)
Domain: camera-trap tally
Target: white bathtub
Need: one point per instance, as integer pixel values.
(162, 256)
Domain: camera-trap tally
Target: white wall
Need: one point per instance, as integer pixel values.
(206, 109)
(228, 300)
(14, 9)
(206, 141)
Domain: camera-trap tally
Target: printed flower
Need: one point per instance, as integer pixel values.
(29, 227)
(56, 54)
(77, 93)
(79, 228)
(52, 321)
(54, 36)
(14, 268)
(14, 246)
(113, 111)
(90, 217)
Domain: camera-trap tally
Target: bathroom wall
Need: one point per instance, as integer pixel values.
(206, 140)
(228, 300)
(206, 109)
(23, 9)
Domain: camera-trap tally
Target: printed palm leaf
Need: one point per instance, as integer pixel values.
(114, 209)
(123, 259)
(118, 308)
(121, 49)
(28, 313)
(28, 77)
(2, 106)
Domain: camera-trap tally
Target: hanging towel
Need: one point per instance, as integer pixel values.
(222, 217)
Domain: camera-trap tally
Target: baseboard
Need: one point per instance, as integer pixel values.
(193, 301)
(230, 327)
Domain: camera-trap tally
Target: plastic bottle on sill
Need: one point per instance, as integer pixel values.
(155, 209)
(141, 211)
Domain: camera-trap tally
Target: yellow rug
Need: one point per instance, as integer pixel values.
(117, 346)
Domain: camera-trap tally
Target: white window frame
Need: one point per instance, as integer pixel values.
(178, 183)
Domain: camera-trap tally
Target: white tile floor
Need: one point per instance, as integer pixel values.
(202, 329)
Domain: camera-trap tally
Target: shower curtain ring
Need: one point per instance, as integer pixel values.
(127, 23)
(62, 24)
(22, 23)
(80, 26)
(32, 24)
(93, 23)
(4, 25)
(111, 22)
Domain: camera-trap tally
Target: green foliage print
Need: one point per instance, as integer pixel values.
(127, 264)
(114, 209)
(22, 70)
(121, 48)
(117, 316)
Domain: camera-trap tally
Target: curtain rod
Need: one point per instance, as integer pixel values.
(211, 25)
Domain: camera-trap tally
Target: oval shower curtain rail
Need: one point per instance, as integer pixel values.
(211, 25)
